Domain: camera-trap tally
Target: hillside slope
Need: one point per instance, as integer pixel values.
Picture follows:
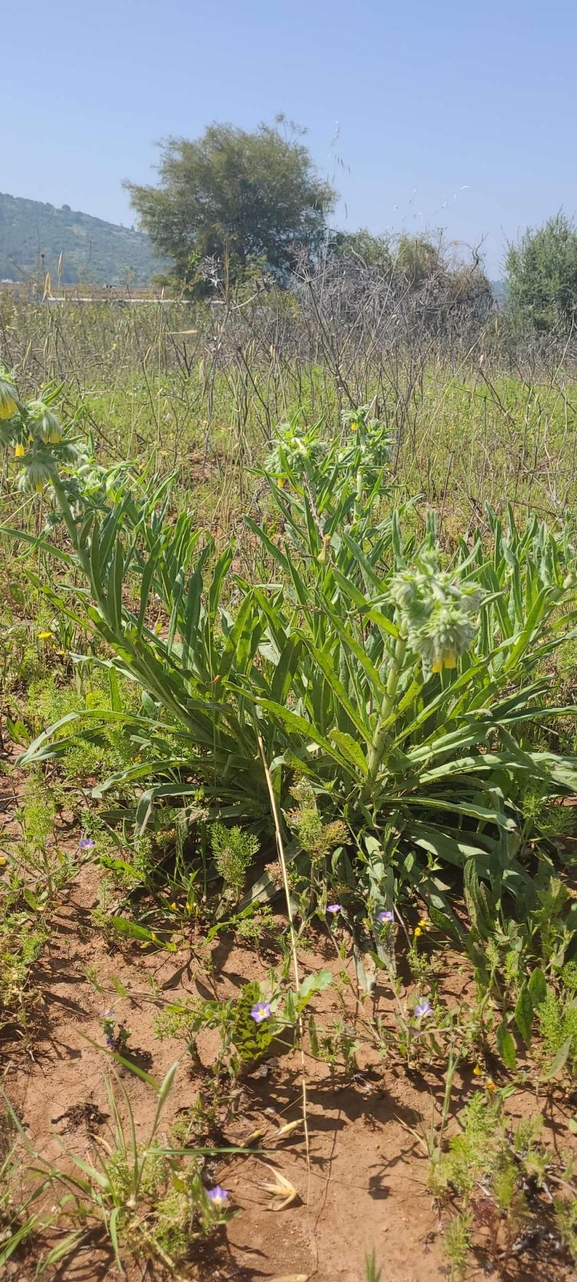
(34, 235)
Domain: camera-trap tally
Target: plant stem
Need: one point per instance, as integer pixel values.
(359, 495)
(380, 739)
(293, 939)
(71, 524)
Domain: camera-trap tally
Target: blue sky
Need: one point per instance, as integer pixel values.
(424, 113)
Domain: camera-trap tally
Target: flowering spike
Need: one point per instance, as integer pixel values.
(435, 613)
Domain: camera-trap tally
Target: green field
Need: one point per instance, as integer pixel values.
(287, 633)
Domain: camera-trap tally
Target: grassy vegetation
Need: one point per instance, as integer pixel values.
(289, 622)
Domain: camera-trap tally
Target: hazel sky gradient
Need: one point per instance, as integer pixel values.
(423, 114)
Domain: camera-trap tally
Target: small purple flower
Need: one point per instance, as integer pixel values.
(385, 917)
(334, 908)
(86, 843)
(259, 1012)
(423, 1008)
(107, 1021)
(218, 1196)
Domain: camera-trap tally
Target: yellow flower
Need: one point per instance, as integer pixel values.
(354, 427)
(46, 426)
(174, 908)
(280, 483)
(490, 1086)
(8, 405)
(45, 636)
(417, 931)
(477, 1072)
(3, 861)
(423, 923)
(448, 660)
(19, 451)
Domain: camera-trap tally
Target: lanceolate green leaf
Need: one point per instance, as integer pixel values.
(462, 808)
(342, 699)
(506, 1047)
(524, 1013)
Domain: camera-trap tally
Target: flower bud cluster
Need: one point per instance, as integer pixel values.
(372, 439)
(436, 614)
(36, 435)
(296, 449)
(43, 424)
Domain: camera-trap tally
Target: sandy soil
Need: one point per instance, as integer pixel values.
(364, 1183)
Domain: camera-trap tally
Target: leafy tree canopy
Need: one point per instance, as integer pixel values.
(234, 197)
(362, 246)
(417, 259)
(542, 275)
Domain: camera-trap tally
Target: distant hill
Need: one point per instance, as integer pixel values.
(34, 235)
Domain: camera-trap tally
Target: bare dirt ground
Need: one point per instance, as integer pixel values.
(363, 1185)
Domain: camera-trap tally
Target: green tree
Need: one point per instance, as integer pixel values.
(235, 197)
(542, 275)
(362, 247)
(417, 260)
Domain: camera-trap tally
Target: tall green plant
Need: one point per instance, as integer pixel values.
(405, 689)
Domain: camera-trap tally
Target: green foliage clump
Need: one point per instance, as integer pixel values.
(234, 197)
(251, 1039)
(475, 1150)
(457, 1242)
(546, 819)
(233, 852)
(557, 1017)
(22, 939)
(88, 753)
(372, 1271)
(243, 1040)
(566, 1218)
(487, 1154)
(542, 275)
(417, 259)
(183, 1020)
(315, 836)
(405, 690)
